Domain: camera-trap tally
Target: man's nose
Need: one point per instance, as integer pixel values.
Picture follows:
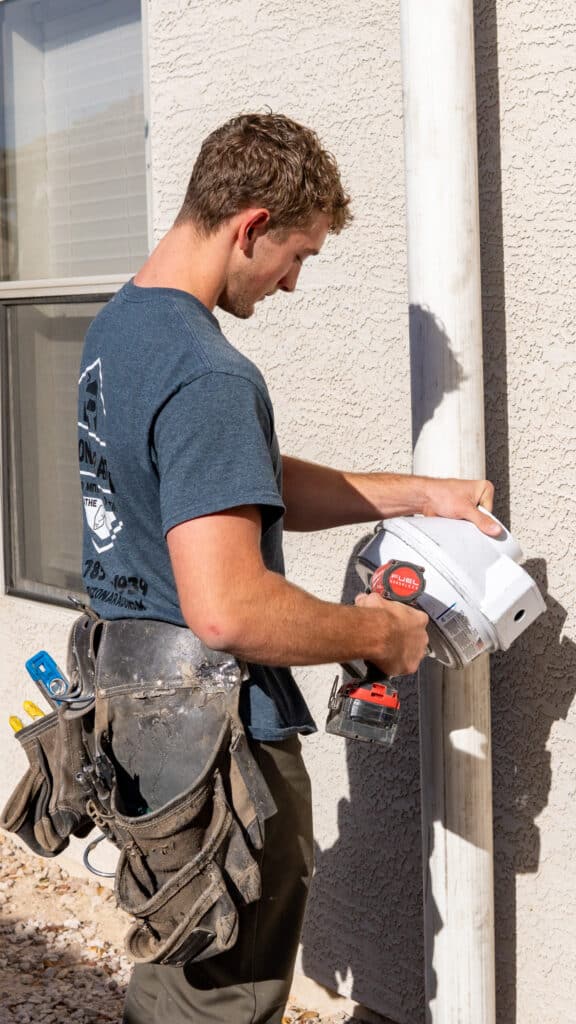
(288, 282)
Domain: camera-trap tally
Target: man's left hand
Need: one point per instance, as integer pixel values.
(459, 499)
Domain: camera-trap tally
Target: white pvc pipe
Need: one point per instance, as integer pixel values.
(448, 424)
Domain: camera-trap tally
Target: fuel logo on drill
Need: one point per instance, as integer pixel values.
(398, 581)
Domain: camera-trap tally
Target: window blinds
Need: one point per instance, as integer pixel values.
(74, 134)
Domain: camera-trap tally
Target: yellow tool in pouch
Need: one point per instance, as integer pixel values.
(32, 709)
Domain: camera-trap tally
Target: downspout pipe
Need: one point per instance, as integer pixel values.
(441, 170)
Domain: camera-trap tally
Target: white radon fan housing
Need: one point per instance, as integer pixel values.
(477, 596)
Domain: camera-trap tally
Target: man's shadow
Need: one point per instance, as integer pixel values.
(369, 884)
(364, 918)
(363, 921)
(532, 686)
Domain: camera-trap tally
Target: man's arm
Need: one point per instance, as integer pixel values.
(234, 603)
(317, 497)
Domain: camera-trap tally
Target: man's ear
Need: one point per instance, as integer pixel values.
(253, 225)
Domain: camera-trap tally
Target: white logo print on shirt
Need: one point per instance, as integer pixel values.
(97, 485)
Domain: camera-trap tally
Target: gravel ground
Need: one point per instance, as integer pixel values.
(61, 947)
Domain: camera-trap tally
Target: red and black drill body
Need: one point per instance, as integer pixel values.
(367, 706)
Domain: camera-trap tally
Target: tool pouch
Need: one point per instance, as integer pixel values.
(49, 803)
(187, 801)
(152, 750)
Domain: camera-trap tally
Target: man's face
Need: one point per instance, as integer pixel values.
(273, 263)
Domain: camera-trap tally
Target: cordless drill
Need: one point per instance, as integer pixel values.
(367, 706)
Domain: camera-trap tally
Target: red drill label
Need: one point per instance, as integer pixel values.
(380, 694)
(398, 581)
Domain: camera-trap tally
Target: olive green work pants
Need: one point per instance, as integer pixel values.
(249, 984)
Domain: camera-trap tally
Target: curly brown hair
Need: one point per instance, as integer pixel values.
(266, 160)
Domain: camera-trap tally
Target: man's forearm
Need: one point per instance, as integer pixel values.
(318, 497)
(270, 621)
(233, 602)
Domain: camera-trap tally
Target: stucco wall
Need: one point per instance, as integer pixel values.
(528, 150)
(335, 355)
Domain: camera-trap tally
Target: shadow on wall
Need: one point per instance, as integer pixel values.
(533, 685)
(431, 360)
(364, 919)
(363, 923)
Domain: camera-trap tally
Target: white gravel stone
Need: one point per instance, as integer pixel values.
(58, 966)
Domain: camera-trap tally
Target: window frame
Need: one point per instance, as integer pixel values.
(80, 290)
(26, 294)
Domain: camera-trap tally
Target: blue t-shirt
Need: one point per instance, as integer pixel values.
(174, 423)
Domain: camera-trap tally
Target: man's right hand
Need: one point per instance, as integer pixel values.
(404, 636)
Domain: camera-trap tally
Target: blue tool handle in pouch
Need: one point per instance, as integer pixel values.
(49, 679)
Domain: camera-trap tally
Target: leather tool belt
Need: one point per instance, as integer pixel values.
(156, 756)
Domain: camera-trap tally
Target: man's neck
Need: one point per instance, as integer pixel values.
(190, 262)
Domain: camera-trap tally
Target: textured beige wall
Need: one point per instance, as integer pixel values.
(330, 354)
(527, 121)
(336, 358)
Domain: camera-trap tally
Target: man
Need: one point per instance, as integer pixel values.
(186, 496)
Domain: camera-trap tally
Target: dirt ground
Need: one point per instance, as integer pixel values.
(61, 947)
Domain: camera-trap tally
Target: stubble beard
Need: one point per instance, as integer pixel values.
(236, 301)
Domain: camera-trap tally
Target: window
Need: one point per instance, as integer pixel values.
(73, 227)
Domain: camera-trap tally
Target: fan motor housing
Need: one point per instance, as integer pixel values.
(478, 598)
